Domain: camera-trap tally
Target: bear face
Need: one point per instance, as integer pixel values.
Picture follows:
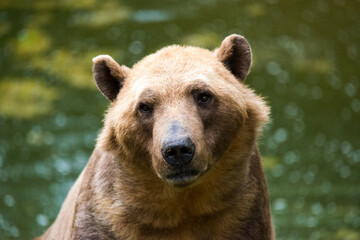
(179, 111)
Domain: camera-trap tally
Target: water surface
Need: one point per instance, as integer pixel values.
(306, 62)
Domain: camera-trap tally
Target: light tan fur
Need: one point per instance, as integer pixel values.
(124, 191)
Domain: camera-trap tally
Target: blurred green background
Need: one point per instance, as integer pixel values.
(306, 61)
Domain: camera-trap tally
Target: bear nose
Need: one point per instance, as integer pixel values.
(178, 153)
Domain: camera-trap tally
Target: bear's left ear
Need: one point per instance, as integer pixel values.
(109, 75)
(235, 53)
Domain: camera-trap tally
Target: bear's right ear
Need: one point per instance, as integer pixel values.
(235, 53)
(109, 75)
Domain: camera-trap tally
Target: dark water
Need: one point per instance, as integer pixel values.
(306, 61)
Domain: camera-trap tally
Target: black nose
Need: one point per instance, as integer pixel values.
(179, 152)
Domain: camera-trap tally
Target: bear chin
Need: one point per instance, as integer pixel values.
(182, 178)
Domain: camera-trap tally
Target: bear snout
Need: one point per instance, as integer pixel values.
(178, 154)
(177, 148)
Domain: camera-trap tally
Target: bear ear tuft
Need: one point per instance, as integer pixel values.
(235, 53)
(109, 75)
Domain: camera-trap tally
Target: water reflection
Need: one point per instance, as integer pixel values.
(69, 66)
(148, 16)
(110, 14)
(26, 98)
(306, 61)
(208, 40)
(31, 40)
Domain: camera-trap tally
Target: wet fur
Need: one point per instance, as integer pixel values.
(121, 193)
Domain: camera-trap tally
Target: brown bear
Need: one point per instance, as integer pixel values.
(177, 157)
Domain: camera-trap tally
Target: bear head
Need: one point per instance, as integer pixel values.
(181, 110)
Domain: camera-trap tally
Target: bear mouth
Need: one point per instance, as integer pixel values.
(182, 178)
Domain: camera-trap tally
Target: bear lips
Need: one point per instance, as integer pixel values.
(182, 178)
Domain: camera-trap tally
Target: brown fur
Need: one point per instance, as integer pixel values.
(124, 191)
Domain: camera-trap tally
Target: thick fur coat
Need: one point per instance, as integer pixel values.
(177, 157)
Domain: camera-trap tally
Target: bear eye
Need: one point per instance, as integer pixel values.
(203, 98)
(145, 108)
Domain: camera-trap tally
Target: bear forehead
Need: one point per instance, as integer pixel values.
(177, 67)
(176, 61)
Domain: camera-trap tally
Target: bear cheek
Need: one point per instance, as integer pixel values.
(202, 159)
(136, 145)
(154, 147)
(135, 136)
(157, 163)
(225, 125)
(159, 167)
(203, 154)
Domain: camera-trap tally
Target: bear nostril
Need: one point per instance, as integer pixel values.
(186, 150)
(170, 152)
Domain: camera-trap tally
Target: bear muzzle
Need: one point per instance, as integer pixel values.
(178, 151)
(178, 155)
